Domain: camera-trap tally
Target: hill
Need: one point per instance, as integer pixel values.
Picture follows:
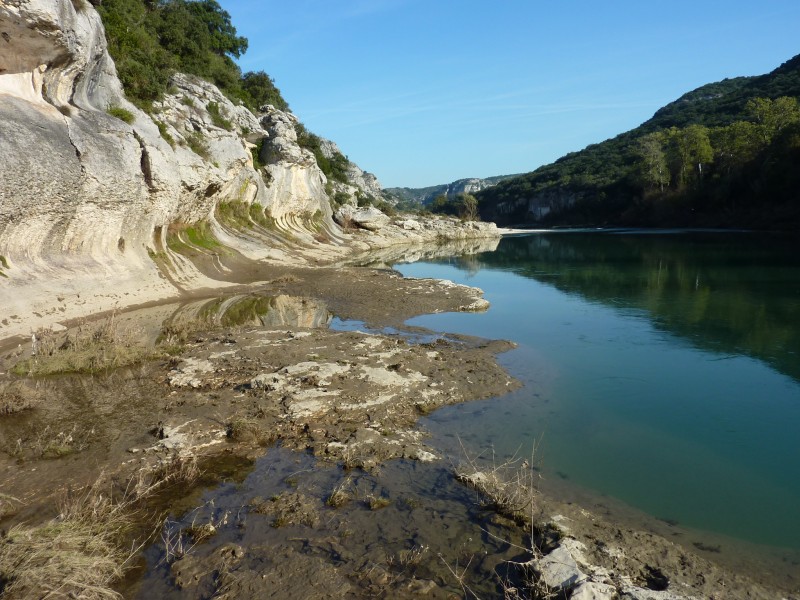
(716, 156)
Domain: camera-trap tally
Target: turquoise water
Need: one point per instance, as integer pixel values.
(662, 370)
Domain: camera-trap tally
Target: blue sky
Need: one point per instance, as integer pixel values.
(422, 92)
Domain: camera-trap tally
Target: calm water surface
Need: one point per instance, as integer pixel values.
(661, 370)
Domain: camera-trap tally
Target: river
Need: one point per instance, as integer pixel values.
(661, 370)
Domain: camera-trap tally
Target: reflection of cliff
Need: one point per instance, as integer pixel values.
(413, 253)
(728, 293)
(254, 310)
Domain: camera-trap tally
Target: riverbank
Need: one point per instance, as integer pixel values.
(262, 368)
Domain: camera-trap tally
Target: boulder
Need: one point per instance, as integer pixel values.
(558, 570)
(367, 217)
(410, 225)
(592, 590)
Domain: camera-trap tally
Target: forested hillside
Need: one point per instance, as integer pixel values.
(725, 154)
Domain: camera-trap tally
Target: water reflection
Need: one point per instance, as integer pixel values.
(253, 310)
(730, 293)
(660, 370)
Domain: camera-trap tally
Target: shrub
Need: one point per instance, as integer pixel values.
(217, 118)
(162, 129)
(121, 114)
(198, 145)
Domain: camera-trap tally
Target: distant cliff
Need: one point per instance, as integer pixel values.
(424, 196)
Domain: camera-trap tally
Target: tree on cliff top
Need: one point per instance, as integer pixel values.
(152, 39)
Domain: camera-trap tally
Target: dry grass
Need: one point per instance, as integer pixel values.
(179, 540)
(76, 555)
(8, 505)
(342, 494)
(377, 502)
(248, 431)
(83, 551)
(90, 348)
(16, 397)
(48, 443)
(507, 488)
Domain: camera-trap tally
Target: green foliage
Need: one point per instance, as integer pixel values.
(386, 208)
(152, 39)
(467, 207)
(241, 215)
(162, 129)
(715, 157)
(464, 206)
(653, 160)
(688, 149)
(255, 151)
(217, 118)
(121, 114)
(772, 116)
(257, 89)
(188, 239)
(340, 198)
(197, 144)
(334, 167)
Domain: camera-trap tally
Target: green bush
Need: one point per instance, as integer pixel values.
(197, 145)
(121, 114)
(217, 118)
(162, 129)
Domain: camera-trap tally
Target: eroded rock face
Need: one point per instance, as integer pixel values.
(296, 188)
(95, 193)
(86, 198)
(359, 180)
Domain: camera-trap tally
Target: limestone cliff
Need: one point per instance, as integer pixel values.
(99, 200)
(92, 187)
(426, 195)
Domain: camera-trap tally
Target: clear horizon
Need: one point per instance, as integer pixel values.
(423, 94)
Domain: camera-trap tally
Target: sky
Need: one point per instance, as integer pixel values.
(424, 92)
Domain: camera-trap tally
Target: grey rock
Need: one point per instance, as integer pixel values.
(592, 590)
(367, 217)
(558, 570)
(410, 225)
(632, 592)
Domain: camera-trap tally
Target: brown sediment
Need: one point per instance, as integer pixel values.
(260, 368)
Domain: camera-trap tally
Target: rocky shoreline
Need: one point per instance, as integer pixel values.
(265, 370)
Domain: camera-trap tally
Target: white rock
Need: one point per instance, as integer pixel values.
(591, 590)
(632, 592)
(410, 225)
(367, 217)
(558, 570)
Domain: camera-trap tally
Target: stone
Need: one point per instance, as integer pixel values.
(558, 570)
(410, 225)
(592, 590)
(367, 217)
(88, 200)
(632, 592)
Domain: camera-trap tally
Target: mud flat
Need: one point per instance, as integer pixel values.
(301, 398)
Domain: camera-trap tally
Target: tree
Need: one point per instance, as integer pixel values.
(735, 145)
(260, 89)
(468, 207)
(690, 149)
(773, 115)
(653, 165)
